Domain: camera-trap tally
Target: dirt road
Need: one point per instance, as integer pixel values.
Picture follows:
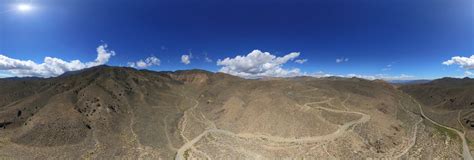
(338, 133)
(466, 153)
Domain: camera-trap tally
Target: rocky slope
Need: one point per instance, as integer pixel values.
(122, 113)
(449, 101)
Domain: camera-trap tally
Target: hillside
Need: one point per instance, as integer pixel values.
(446, 93)
(122, 113)
(449, 101)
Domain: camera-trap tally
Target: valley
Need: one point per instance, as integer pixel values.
(105, 112)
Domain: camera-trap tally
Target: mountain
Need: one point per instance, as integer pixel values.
(449, 101)
(406, 82)
(446, 93)
(122, 113)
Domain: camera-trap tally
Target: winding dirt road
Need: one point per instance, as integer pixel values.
(466, 153)
(338, 133)
(189, 144)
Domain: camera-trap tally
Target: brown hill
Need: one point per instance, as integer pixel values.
(446, 93)
(122, 113)
(449, 101)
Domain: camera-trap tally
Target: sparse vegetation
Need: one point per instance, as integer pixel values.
(98, 112)
(443, 131)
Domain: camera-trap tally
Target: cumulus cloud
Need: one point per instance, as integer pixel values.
(186, 59)
(148, 62)
(51, 66)
(103, 56)
(340, 60)
(369, 77)
(301, 61)
(259, 64)
(463, 62)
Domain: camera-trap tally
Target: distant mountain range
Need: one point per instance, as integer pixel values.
(403, 82)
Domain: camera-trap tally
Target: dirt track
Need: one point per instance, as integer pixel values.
(338, 133)
(466, 154)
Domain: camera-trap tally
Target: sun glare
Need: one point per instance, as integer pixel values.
(24, 7)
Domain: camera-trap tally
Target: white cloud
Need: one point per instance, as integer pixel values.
(387, 68)
(467, 73)
(103, 56)
(369, 77)
(148, 62)
(382, 76)
(186, 59)
(320, 74)
(51, 66)
(463, 62)
(259, 64)
(340, 60)
(301, 61)
(207, 59)
(7, 63)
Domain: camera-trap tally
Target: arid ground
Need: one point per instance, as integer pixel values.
(122, 113)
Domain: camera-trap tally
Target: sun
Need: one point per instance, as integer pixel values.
(24, 7)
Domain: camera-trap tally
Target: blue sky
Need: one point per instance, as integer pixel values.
(389, 38)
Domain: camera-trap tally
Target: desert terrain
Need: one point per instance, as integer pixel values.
(123, 113)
